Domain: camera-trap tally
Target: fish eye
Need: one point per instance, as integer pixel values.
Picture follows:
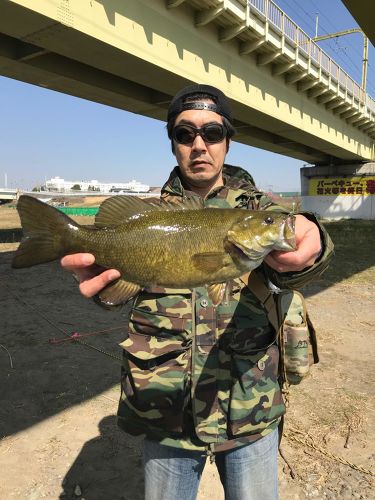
(268, 220)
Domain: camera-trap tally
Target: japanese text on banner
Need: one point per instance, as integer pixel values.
(338, 186)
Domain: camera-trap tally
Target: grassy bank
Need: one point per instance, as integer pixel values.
(354, 259)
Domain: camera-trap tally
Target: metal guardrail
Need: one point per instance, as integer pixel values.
(277, 17)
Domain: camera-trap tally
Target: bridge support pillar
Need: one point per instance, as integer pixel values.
(339, 191)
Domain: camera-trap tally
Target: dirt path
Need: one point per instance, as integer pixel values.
(58, 401)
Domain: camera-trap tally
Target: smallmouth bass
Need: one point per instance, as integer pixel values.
(169, 245)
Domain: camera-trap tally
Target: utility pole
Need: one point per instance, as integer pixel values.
(365, 49)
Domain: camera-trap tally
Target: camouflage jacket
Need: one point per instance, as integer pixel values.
(198, 376)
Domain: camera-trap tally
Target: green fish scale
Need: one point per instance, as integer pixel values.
(158, 246)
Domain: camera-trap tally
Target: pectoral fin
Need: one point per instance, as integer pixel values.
(210, 261)
(118, 292)
(216, 292)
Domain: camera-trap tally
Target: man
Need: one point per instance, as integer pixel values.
(202, 380)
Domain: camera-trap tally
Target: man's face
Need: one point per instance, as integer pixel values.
(200, 163)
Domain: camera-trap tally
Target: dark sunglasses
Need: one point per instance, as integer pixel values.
(210, 133)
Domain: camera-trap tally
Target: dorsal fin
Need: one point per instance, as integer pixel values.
(115, 210)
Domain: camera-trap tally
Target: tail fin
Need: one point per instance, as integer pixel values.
(43, 229)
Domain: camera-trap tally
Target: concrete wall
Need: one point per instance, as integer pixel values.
(341, 207)
(335, 202)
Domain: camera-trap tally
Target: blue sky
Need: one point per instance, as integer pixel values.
(45, 133)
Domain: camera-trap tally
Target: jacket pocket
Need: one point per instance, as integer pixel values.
(298, 340)
(243, 324)
(162, 316)
(255, 396)
(154, 382)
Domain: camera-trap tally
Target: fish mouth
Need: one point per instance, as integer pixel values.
(289, 232)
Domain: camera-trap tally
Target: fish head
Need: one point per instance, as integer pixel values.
(260, 232)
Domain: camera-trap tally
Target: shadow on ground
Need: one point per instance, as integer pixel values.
(102, 468)
(39, 378)
(11, 235)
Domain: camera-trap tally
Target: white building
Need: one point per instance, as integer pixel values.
(62, 186)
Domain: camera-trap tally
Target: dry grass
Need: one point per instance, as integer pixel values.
(354, 240)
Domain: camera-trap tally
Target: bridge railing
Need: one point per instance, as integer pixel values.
(297, 36)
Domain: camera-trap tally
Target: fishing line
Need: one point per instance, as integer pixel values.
(75, 336)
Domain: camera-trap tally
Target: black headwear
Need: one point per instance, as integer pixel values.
(221, 106)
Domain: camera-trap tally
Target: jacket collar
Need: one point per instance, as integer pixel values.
(234, 178)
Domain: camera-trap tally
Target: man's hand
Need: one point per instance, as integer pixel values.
(308, 248)
(92, 277)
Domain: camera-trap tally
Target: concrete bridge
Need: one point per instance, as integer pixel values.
(288, 96)
(8, 195)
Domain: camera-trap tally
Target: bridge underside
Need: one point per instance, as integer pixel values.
(363, 13)
(135, 55)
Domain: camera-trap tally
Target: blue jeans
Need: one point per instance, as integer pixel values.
(246, 473)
